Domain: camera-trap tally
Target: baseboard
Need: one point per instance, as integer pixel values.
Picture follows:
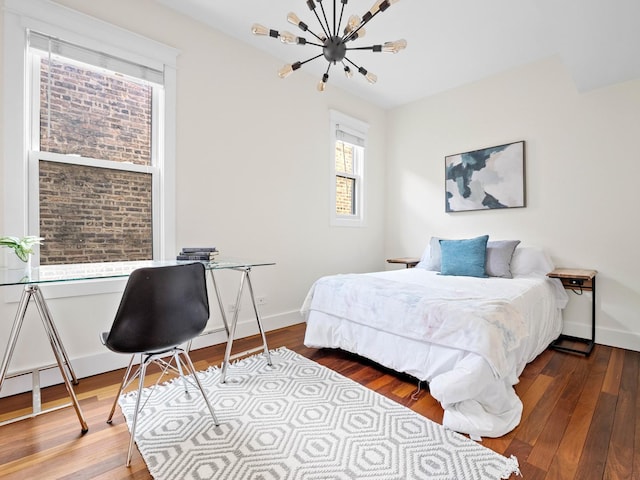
(107, 361)
(604, 335)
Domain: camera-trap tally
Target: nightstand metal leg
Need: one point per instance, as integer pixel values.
(557, 344)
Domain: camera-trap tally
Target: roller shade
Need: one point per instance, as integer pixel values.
(71, 51)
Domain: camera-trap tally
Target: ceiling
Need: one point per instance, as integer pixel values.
(450, 42)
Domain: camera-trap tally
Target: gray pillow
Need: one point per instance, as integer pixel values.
(499, 254)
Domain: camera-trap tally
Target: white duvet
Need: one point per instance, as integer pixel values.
(469, 338)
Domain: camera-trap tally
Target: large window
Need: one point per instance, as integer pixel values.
(347, 172)
(92, 155)
(89, 152)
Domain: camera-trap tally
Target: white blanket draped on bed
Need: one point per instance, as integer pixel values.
(470, 350)
(490, 328)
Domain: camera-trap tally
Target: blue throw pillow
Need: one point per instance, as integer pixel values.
(464, 257)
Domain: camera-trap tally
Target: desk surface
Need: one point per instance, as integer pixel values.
(93, 271)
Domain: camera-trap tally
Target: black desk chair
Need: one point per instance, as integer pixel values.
(161, 308)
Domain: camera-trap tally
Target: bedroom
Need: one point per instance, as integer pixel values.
(582, 166)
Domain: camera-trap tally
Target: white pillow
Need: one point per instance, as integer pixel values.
(530, 261)
(431, 257)
(424, 259)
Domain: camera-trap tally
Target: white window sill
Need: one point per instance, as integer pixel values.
(347, 222)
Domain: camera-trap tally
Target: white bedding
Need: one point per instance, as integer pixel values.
(427, 325)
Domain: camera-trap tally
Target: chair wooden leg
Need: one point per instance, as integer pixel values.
(188, 362)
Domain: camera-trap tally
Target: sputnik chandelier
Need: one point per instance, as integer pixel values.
(332, 41)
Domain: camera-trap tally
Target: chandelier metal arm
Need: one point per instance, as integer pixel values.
(357, 67)
(336, 28)
(373, 48)
(330, 32)
(325, 29)
(308, 60)
(317, 36)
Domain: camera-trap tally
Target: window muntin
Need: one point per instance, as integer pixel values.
(95, 167)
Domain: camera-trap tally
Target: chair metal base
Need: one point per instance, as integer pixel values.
(182, 365)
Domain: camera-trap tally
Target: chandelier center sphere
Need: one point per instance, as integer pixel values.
(334, 49)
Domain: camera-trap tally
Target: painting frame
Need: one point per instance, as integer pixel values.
(486, 179)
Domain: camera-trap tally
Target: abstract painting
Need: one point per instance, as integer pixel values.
(484, 179)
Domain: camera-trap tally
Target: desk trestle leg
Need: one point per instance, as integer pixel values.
(231, 329)
(62, 359)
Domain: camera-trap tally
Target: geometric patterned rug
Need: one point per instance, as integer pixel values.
(298, 420)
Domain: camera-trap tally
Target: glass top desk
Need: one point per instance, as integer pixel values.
(34, 277)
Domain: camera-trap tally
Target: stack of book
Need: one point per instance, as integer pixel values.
(201, 254)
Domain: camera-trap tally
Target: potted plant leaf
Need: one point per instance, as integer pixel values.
(23, 247)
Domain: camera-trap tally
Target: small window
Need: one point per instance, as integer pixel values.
(347, 172)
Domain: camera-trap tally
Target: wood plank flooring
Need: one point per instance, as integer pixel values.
(581, 417)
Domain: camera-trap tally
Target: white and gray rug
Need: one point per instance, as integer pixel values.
(298, 420)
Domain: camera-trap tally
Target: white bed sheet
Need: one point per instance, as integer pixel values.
(476, 400)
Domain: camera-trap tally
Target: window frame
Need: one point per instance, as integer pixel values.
(355, 128)
(88, 32)
(35, 154)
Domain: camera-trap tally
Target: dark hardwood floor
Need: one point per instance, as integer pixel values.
(581, 417)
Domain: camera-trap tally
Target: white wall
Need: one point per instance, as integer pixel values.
(252, 178)
(582, 174)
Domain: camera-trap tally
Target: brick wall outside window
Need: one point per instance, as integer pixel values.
(103, 215)
(344, 186)
(90, 214)
(94, 114)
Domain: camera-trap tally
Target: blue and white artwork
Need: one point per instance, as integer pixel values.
(485, 179)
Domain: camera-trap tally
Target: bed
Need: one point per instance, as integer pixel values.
(468, 336)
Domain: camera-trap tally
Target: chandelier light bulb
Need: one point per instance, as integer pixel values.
(394, 47)
(353, 23)
(285, 71)
(348, 72)
(295, 20)
(258, 29)
(379, 6)
(288, 37)
(322, 84)
(371, 77)
(376, 6)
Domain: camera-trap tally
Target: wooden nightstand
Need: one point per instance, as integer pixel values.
(408, 262)
(577, 280)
